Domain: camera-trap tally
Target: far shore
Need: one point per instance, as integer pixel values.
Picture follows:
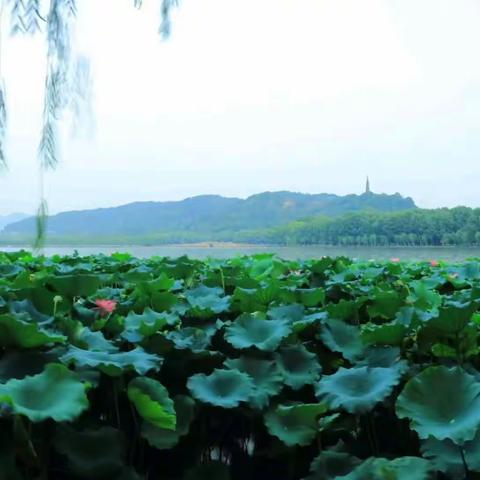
(225, 245)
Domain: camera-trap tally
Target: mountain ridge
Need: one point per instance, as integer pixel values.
(210, 213)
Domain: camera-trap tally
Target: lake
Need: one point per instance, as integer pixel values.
(451, 254)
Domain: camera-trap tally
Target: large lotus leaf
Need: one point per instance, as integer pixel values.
(255, 299)
(191, 338)
(391, 333)
(423, 295)
(159, 301)
(295, 424)
(402, 468)
(267, 379)
(152, 402)
(75, 285)
(291, 313)
(113, 363)
(443, 403)
(10, 270)
(55, 393)
(452, 318)
(92, 453)
(386, 357)
(345, 309)
(207, 300)
(385, 303)
(311, 297)
(146, 324)
(94, 341)
(27, 307)
(18, 331)
(209, 471)
(267, 265)
(330, 464)
(298, 366)
(164, 439)
(252, 331)
(223, 388)
(312, 319)
(19, 364)
(357, 390)
(446, 456)
(341, 337)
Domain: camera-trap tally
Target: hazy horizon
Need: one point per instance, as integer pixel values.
(250, 96)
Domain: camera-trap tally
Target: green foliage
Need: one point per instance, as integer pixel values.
(152, 402)
(322, 369)
(223, 388)
(55, 393)
(453, 412)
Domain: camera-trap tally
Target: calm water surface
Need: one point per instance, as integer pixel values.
(452, 254)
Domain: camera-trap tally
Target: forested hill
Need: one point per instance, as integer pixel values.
(210, 214)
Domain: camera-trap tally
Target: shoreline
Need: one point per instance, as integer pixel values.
(226, 245)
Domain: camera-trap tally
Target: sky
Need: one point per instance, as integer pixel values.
(257, 95)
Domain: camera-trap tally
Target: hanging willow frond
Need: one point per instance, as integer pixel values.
(3, 125)
(81, 93)
(137, 3)
(58, 33)
(25, 16)
(57, 88)
(48, 148)
(71, 7)
(41, 224)
(165, 10)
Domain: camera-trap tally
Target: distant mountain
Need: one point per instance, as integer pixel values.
(11, 218)
(209, 214)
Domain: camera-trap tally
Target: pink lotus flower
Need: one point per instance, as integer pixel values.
(105, 306)
(395, 260)
(434, 263)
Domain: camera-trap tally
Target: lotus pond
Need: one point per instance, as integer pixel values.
(247, 368)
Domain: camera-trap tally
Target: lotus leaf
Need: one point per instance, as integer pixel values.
(146, 324)
(402, 468)
(164, 439)
(18, 331)
(386, 334)
(266, 377)
(55, 393)
(298, 366)
(206, 300)
(82, 448)
(152, 402)
(357, 390)
(341, 337)
(113, 363)
(252, 331)
(222, 388)
(452, 412)
(446, 456)
(194, 339)
(296, 424)
(331, 464)
(27, 307)
(75, 285)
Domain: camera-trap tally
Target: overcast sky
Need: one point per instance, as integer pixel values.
(256, 95)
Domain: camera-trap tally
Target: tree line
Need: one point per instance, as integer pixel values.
(419, 227)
